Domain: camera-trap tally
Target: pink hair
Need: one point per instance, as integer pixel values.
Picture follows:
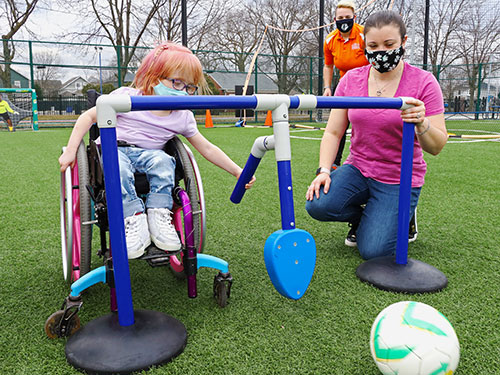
(166, 59)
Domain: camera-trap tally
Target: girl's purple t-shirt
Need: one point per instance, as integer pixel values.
(147, 130)
(376, 136)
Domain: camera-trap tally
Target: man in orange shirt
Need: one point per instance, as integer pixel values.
(344, 48)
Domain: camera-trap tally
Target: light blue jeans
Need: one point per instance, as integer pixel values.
(159, 168)
(378, 218)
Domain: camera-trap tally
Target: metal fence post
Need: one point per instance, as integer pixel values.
(32, 73)
(478, 101)
(119, 65)
(256, 69)
(311, 82)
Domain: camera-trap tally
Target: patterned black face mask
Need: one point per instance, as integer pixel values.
(385, 61)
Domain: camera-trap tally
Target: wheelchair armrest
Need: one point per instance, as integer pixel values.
(92, 96)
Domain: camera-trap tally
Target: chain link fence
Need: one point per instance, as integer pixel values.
(61, 73)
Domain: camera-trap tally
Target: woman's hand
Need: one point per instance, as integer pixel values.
(415, 114)
(431, 131)
(67, 159)
(323, 179)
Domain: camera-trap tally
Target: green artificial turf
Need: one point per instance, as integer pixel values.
(259, 332)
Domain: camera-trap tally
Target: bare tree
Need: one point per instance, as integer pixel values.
(478, 40)
(47, 61)
(447, 18)
(166, 23)
(286, 15)
(237, 33)
(47, 71)
(206, 18)
(122, 22)
(203, 17)
(15, 13)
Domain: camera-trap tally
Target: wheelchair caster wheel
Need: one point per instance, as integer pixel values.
(55, 329)
(222, 288)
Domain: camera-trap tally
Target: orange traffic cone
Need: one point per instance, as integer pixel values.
(208, 120)
(269, 119)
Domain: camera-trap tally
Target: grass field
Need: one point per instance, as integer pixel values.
(259, 332)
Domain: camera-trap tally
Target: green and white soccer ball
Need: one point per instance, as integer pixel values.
(412, 338)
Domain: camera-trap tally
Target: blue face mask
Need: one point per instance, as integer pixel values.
(161, 89)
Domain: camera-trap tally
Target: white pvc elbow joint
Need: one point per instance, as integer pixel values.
(107, 107)
(261, 145)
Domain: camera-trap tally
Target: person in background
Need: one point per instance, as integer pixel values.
(365, 189)
(343, 49)
(4, 112)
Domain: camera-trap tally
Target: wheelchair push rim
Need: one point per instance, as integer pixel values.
(66, 216)
(75, 212)
(191, 177)
(201, 197)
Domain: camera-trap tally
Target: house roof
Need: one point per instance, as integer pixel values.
(19, 74)
(14, 75)
(72, 80)
(228, 80)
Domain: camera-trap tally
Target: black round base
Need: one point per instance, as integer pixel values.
(414, 277)
(103, 346)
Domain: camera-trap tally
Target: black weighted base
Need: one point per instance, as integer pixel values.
(103, 346)
(414, 277)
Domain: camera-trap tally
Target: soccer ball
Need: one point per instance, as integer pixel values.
(412, 338)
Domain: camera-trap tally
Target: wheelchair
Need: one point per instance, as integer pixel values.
(83, 206)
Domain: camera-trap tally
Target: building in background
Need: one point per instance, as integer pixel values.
(225, 82)
(73, 87)
(17, 80)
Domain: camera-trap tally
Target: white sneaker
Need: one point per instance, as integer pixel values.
(162, 230)
(137, 235)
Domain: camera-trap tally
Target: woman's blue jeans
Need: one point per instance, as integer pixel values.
(359, 200)
(159, 168)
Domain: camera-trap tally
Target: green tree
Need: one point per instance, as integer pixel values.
(39, 91)
(106, 88)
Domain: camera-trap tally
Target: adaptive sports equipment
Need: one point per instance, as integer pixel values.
(412, 338)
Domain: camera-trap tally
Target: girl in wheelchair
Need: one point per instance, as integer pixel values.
(169, 69)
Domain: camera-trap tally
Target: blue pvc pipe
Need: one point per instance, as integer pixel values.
(405, 192)
(245, 177)
(116, 229)
(286, 194)
(358, 102)
(294, 101)
(151, 102)
(148, 102)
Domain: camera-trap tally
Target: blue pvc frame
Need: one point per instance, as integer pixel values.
(140, 103)
(116, 229)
